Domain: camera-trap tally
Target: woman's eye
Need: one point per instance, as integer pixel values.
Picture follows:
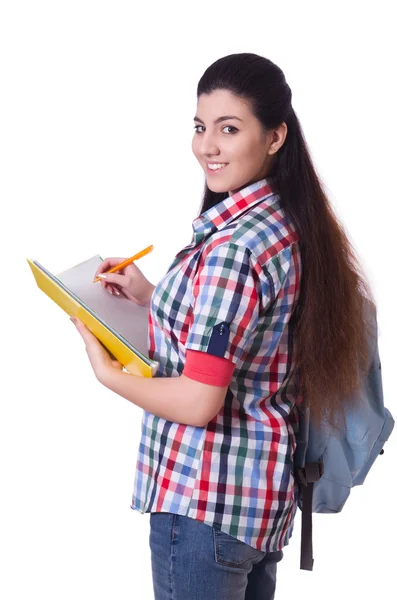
(231, 127)
(226, 126)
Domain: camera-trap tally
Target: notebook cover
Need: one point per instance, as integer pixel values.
(118, 346)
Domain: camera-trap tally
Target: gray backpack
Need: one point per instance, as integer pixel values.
(327, 464)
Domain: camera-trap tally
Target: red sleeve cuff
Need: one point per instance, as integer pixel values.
(207, 368)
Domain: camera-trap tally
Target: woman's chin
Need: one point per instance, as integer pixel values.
(217, 186)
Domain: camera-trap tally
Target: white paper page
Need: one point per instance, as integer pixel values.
(128, 318)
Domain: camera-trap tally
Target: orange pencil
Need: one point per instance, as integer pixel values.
(127, 262)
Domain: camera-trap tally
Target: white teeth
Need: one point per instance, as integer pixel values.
(217, 166)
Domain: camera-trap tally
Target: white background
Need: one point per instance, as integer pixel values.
(97, 104)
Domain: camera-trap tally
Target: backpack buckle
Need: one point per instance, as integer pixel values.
(310, 473)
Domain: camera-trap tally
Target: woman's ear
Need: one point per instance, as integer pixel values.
(279, 135)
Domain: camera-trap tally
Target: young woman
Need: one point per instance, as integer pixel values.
(264, 305)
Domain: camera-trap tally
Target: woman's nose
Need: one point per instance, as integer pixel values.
(209, 147)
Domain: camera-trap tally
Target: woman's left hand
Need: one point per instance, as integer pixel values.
(100, 359)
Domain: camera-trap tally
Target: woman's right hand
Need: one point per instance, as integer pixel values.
(129, 282)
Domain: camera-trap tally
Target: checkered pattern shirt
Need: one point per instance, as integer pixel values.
(230, 293)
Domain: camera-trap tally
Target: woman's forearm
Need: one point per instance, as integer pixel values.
(168, 397)
(165, 397)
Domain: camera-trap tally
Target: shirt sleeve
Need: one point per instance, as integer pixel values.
(208, 368)
(227, 294)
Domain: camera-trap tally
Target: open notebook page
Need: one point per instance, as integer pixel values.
(128, 318)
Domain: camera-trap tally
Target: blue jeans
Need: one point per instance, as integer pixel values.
(194, 561)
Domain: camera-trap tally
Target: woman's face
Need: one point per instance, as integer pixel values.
(240, 142)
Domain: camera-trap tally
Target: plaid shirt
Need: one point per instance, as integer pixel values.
(229, 293)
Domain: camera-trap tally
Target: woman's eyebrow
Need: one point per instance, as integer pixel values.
(225, 118)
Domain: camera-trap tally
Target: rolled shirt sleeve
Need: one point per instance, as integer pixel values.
(207, 368)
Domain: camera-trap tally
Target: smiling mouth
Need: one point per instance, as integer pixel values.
(209, 170)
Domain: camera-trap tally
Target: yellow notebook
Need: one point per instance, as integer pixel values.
(119, 323)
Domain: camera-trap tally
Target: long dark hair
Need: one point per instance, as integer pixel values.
(329, 323)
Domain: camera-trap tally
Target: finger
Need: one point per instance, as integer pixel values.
(85, 333)
(108, 288)
(114, 278)
(111, 289)
(108, 263)
(81, 328)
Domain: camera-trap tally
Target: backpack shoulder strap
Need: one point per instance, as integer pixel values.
(307, 477)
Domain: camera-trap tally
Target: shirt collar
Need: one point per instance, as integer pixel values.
(229, 209)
